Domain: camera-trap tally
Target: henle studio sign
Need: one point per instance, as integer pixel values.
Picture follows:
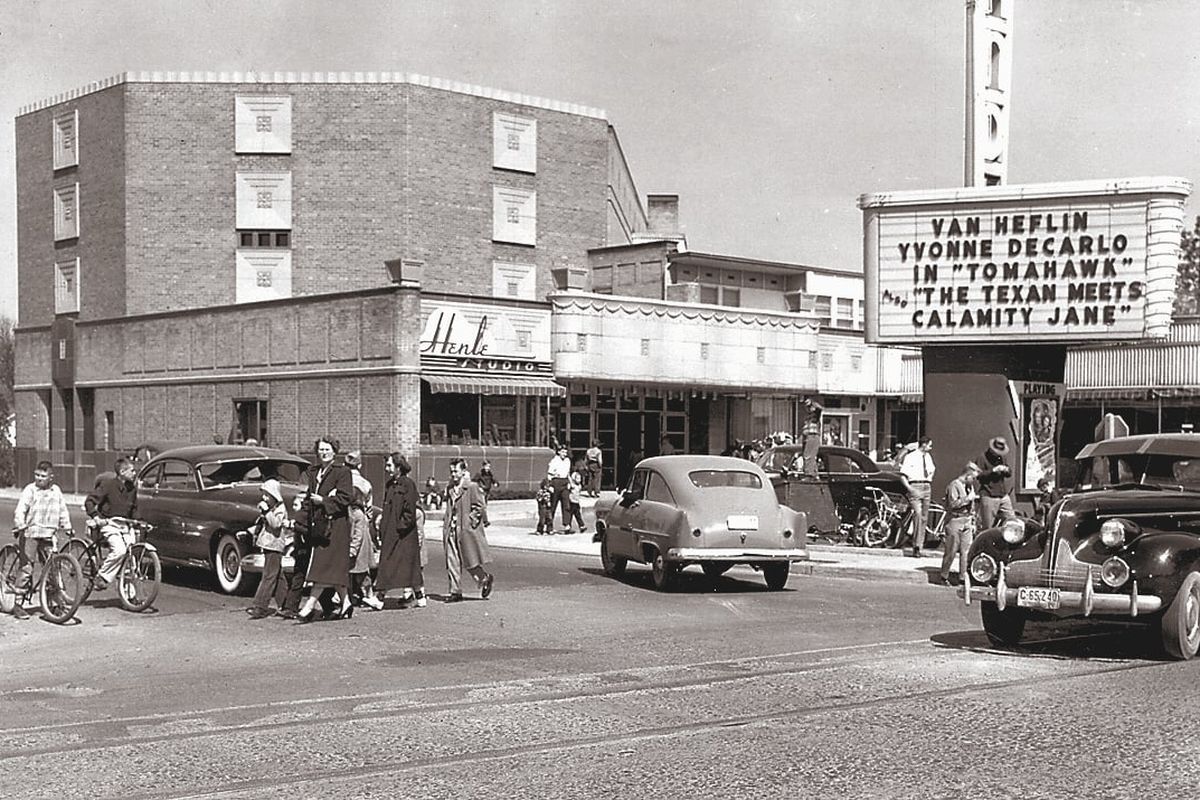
(1044, 262)
(485, 338)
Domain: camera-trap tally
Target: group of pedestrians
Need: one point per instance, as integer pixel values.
(563, 489)
(346, 556)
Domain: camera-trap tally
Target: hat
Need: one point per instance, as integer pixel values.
(354, 458)
(999, 444)
(271, 487)
(971, 465)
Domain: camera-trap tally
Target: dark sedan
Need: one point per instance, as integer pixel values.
(202, 500)
(843, 471)
(1123, 546)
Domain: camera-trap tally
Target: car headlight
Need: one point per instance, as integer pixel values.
(1114, 572)
(1112, 533)
(983, 568)
(1013, 531)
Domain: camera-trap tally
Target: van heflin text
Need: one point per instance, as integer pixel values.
(1047, 265)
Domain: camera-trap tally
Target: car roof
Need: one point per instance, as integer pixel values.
(1165, 444)
(208, 453)
(681, 464)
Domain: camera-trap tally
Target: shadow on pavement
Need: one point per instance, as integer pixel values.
(689, 581)
(1071, 640)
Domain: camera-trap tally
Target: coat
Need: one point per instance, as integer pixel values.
(329, 526)
(465, 514)
(400, 541)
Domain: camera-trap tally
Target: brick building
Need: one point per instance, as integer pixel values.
(281, 256)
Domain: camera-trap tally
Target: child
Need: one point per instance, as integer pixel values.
(432, 498)
(545, 504)
(487, 482)
(272, 538)
(575, 495)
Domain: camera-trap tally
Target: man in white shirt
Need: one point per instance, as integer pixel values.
(916, 469)
(559, 472)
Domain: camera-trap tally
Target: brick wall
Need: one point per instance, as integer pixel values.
(100, 174)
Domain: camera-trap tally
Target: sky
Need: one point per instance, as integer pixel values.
(768, 118)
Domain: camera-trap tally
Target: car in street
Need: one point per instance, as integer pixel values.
(1123, 546)
(847, 473)
(202, 501)
(715, 511)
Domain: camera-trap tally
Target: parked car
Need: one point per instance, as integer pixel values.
(714, 511)
(1123, 545)
(202, 500)
(846, 471)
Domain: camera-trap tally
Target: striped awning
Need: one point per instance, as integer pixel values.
(530, 386)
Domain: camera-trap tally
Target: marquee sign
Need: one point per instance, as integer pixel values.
(485, 337)
(1041, 262)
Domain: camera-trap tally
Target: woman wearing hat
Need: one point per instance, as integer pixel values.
(272, 538)
(327, 502)
(995, 506)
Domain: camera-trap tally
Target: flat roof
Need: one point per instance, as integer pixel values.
(269, 77)
(727, 262)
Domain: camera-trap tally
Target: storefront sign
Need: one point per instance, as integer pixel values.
(481, 337)
(1048, 262)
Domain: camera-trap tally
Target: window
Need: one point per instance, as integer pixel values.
(264, 201)
(66, 140)
(826, 361)
(657, 491)
(812, 359)
(251, 420)
(514, 215)
(845, 309)
(66, 212)
(514, 142)
(66, 286)
(262, 123)
(856, 362)
(176, 475)
(637, 486)
(278, 239)
(582, 342)
(717, 478)
(822, 308)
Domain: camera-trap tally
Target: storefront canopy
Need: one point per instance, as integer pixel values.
(530, 386)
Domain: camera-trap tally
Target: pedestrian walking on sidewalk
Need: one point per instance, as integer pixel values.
(575, 496)
(559, 473)
(400, 541)
(364, 556)
(463, 534)
(330, 493)
(595, 466)
(960, 519)
(916, 471)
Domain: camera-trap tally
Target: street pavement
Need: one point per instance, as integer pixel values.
(513, 524)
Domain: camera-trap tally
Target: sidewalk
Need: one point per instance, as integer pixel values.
(513, 523)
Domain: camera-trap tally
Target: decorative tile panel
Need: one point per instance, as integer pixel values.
(262, 123)
(66, 212)
(264, 201)
(514, 280)
(263, 275)
(514, 142)
(66, 140)
(514, 215)
(66, 286)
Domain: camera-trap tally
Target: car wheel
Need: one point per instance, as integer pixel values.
(1003, 628)
(776, 575)
(664, 573)
(227, 565)
(715, 569)
(614, 566)
(1180, 625)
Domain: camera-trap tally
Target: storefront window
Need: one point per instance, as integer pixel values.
(487, 420)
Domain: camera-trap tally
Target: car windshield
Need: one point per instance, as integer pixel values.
(1099, 472)
(714, 478)
(250, 470)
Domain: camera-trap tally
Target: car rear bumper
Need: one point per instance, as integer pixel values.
(740, 554)
(1085, 602)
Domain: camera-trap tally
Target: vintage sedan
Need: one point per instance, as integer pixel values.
(845, 472)
(714, 511)
(1124, 545)
(202, 501)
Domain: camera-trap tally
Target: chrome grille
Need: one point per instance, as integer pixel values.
(1065, 571)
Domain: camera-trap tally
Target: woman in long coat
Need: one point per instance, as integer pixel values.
(463, 535)
(330, 493)
(400, 541)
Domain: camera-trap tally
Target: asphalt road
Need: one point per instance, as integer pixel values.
(569, 684)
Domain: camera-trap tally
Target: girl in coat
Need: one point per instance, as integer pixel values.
(400, 539)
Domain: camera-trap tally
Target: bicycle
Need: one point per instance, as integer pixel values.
(886, 520)
(59, 584)
(140, 573)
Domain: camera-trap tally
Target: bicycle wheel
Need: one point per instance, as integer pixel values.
(935, 524)
(60, 591)
(872, 530)
(139, 578)
(10, 569)
(85, 554)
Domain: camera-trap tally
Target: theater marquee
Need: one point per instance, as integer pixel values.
(1040, 262)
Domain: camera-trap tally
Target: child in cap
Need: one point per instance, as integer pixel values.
(545, 504)
(272, 536)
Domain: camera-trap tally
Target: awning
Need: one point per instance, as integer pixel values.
(531, 386)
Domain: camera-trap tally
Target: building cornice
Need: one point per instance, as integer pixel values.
(612, 304)
(163, 379)
(1029, 191)
(266, 77)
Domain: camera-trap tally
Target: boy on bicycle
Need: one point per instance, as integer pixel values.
(115, 496)
(41, 512)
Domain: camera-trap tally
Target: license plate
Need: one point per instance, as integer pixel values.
(742, 522)
(1034, 597)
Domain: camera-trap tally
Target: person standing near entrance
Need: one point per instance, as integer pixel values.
(995, 505)
(916, 471)
(559, 473)
(594, 457)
